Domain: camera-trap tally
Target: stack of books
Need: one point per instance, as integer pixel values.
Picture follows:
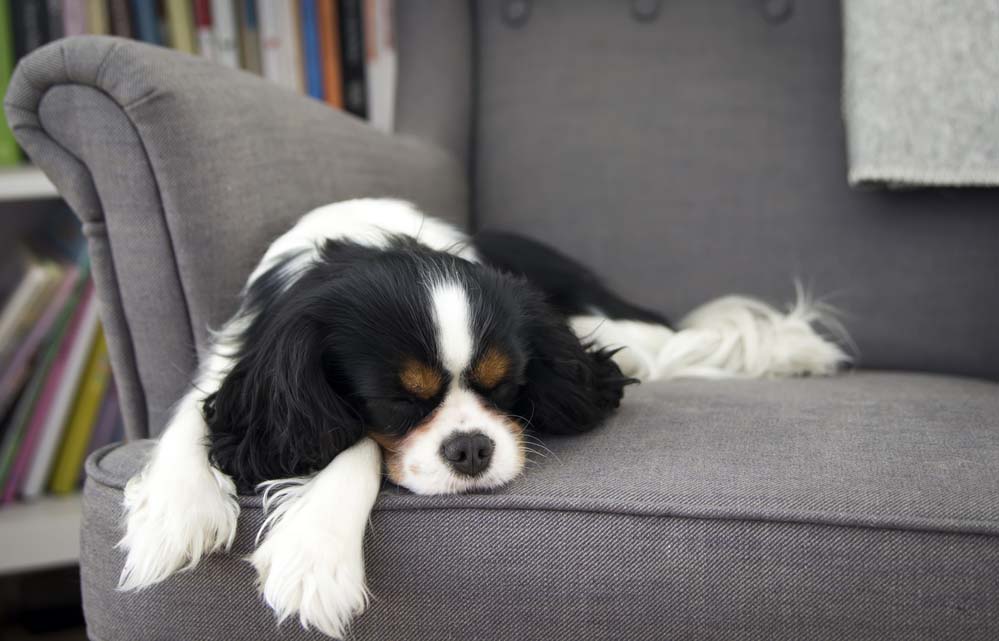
(338, 51)
(57, 398)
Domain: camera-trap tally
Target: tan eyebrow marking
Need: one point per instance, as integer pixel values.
(490, 369)
(421, 380)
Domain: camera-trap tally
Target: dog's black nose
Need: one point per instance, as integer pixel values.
(468, 452)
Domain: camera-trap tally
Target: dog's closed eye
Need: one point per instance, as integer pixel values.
(421, 380)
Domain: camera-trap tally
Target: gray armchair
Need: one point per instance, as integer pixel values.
(685, 155)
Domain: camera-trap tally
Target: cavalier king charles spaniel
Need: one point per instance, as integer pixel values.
(373, 337)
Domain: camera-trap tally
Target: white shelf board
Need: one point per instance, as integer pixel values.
(43, 533)
(25, 183)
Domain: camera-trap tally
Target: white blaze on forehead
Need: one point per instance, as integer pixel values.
(453, 318)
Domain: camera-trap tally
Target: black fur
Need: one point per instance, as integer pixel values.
(318, 368)
(569, 286)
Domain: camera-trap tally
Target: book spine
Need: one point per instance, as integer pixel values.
(352, 39)
(67, 384)
(19, 421)
(249, 35)
(50, 379)
(54, 8)
(121, 20)
(279, 43)
(381, 62)
(180, 26)
(31, 25)
(106, 419)
(74, 18)
(203, 25)
(329, 45)
(226, 33)
(19, 302)
(294, 66)
(29, 346)
(310, 49)
(10, 154)
(147, 26)
(82, 419)
(98, 21)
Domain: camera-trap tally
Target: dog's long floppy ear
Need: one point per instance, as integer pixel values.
(570, 386)
(277, 413)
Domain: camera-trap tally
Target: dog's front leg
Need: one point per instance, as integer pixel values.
(180, 507)
(310, 562)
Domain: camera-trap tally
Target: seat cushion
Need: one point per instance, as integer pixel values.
(857, 507)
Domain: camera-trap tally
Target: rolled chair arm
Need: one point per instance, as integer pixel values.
(182, 171)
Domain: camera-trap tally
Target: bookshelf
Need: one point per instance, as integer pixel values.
(18, 184)
(45, 533)
(40, 534)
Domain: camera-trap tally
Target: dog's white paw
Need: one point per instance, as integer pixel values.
(175, 516)
(312, 573)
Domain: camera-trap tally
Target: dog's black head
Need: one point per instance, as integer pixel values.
(442, 361)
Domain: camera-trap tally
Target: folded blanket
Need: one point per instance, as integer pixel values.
(921, 91)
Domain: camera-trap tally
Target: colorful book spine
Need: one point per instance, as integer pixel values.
(50, 401)
(180, 26)
(329, 46)
(66, 384)
(226, 33)
(24, 411)
(147, 26)
(310, 49)
(355, 93)
(98, 20)
(18, 365)
(82, 419)
(249, 35)
(203, 24)
(10, 154)
(74, 18)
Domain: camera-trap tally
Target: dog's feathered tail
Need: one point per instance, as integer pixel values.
(731, 337)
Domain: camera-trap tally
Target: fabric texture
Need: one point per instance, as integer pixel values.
(183, 172)
(702, 153)
(921, 92)
(856, 507)
(706, 156)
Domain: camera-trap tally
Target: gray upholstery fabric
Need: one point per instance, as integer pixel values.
(918, 92)
(183, 172)
(703, 154)
(434, 91)
(858, 507)
(694, 155)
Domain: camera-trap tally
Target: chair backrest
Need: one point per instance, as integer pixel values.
(696, 151)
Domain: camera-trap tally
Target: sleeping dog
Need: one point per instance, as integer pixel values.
(372, 337)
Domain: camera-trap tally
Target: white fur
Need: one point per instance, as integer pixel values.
(311, 560)
(425, 472)
(366, 221)
(452, 316)
(731, 337)
(180, 507)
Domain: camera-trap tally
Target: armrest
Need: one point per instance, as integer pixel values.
(182, 172)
